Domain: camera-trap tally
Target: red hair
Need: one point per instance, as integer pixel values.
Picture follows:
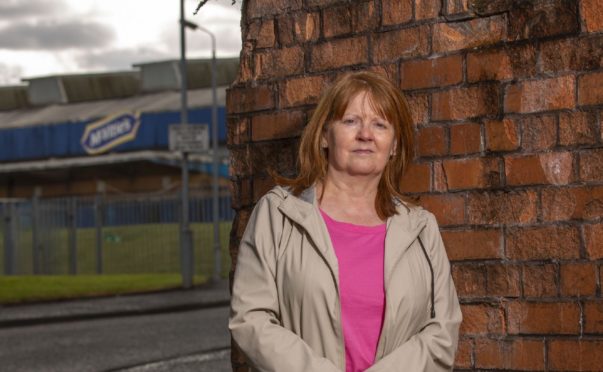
(387, 100)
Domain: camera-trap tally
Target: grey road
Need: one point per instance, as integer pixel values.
(182, 341)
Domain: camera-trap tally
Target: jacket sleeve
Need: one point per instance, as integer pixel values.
(434, 347)
(254, 318)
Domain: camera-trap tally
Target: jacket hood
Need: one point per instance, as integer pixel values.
(303, 210)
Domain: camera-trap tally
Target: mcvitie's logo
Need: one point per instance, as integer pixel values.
(103, 135)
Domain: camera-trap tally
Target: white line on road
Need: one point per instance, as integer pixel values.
(165, 365)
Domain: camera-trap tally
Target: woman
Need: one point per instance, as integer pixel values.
(335, 272)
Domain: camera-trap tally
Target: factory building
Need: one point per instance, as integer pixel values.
(77, 135)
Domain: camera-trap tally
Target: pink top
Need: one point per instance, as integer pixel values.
(360, 254)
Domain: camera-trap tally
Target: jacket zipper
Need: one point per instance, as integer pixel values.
(383, 337)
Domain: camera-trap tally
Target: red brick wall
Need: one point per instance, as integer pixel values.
(507, 96)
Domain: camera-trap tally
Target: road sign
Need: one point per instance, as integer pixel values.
(189, 137)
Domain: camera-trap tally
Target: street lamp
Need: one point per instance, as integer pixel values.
(186, 235)
(214, 145)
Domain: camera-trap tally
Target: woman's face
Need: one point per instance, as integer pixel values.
(361, 142)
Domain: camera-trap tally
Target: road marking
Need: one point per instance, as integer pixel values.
(166, 364)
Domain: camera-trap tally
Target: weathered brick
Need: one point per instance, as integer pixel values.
(551, 168)
(456, 7)
(396, 11)
(575, 355)
(449, 209)
(576, 203)
(490, 65)
(503, 280)
(541, 243)
(485, 8)
(538, 132)
(249, 99)
(578, 279)
(428, 73)
(261, 185)
(419, 107)
(590, 89)
(472, 173)
(591, 165)
(322, 3)
(279, 156)
(439, 177)
(517, 354)
(502, 135)
(357, 16)
(365, 16)
(541, 95)
(279, 62)
(432, 141)
(298, 27)
(426, 9)
(465, 139)
(337, 21)
(238, 131)
(389, 70)
(572, 54)
(501, 207)
(542, 18)
(593, 317)
(394, 45)
(464, 353)
(593, 239)
(469, 34)
(240, 164)
(465, 102)
(577, 128)
(539, 280)
(257, 9)
(592, 15)
(276, 126)
(473, 244)
(262, 33)
(543, 318)
(417, 178)
(502, 64)
(301, 91)
(245, 64)
(339, 53)
(469, 280)
(480, 319)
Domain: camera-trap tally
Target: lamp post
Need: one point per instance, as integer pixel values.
(214, 145)
(186, 235)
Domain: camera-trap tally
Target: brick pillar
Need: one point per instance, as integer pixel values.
(507, 99)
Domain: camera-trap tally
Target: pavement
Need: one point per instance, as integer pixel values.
(206, 296)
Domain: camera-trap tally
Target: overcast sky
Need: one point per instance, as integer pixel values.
(48, 37)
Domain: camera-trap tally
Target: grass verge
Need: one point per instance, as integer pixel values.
(24, 289)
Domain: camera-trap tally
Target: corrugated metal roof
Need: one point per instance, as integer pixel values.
(13, 97)
(155, 102)
(171, 157)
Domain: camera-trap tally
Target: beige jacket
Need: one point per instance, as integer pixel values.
(285, 309)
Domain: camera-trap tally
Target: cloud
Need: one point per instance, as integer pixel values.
(10, 74)
(222, 19)
(55, 35)
(12, 10)
(120, 59)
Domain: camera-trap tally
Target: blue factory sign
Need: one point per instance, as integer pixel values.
(105, 134)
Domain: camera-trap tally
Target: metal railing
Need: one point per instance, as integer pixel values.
(107, 234)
